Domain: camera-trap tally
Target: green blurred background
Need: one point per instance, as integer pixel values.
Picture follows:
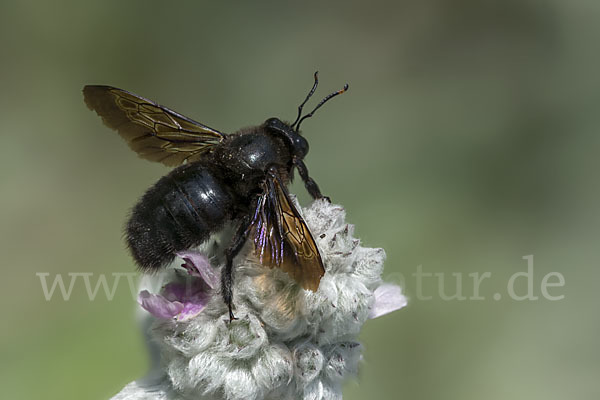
(468, 139)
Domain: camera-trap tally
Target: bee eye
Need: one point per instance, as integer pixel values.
(300, 146)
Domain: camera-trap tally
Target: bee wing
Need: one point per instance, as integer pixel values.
(282, 238)
(151, 130)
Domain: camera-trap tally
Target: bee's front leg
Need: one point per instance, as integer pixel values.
(310, 185)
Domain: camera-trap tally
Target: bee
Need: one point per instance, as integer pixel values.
(219, 178)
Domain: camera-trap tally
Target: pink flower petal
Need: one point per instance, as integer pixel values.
(190, 310)
(159, 306)
(193, 295)
(176, 291)
(197, 264)
(183, 300)
(388, 298)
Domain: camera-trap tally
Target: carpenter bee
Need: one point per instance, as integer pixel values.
(239, 177)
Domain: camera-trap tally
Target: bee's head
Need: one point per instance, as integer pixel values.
(297, 144)
(291, 132)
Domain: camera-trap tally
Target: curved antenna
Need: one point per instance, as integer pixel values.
(307, 97)
(327, 98)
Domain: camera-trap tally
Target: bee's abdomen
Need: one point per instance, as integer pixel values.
(180, 211)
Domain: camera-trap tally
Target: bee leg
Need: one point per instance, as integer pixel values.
(237, 242)
(310, 185)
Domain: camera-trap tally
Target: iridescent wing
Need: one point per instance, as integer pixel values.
(151, 130)
(281, 237)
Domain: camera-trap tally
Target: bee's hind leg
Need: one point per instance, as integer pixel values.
(237, 242)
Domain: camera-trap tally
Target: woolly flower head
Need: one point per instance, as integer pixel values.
(287, 343)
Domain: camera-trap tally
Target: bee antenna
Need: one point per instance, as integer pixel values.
(327, 98)
(307, 97)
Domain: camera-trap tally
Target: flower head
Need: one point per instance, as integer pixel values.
(288, 343)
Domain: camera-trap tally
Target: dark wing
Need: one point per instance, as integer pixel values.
(281, 237)
(153, 131)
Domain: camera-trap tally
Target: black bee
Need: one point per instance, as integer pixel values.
(240, 177)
